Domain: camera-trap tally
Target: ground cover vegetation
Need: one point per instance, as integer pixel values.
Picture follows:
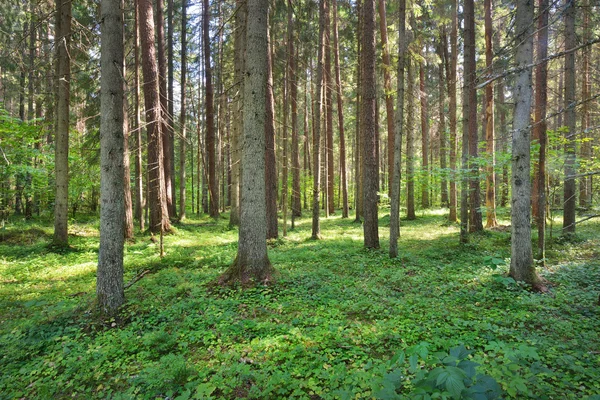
(441, 320)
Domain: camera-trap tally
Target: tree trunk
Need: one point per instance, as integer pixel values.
(396, 168)
(270, 159)
(522, 267)
(170, 115)
(316, 225)
(238, 115)
(109, 284)
(137, 128)
(369, 114)
(252, 262)
(410, 143)
(503, 142)
(490, 180)
(210, 119)
(128, 217)
(61, 150)
(328, 88)
(424, 138)
(182, 116)
(570, 122)
(470, 119)
(159, 215)
(452, 78)
(539, 126)
(586, 137)
(296, 206)
(443, 141)
(358, 139)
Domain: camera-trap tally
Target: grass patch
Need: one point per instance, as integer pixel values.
(341, 322)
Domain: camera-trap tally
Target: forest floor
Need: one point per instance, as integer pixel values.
(340, 322)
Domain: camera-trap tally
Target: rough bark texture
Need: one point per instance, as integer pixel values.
(585, 182)
(490, 148)
(424, 138)
(159, 215)
(470, 107)
(182, 113)
(328, 88)
(340, 113)
(539, 127)
(316, 225)
(128, 220)
(452, 77)
(139, 182)
(170, 166)
(570, 122)
(61, 152)
(238, 115)
(252, 262)
(358, 137)
(210, 119)
(270, 160)
(109, 284)
(443, 135)
(369, 114)
(396, 168)
(521, 261)
(503, 141)
(410, 143)
(387, 87)
(295, 153)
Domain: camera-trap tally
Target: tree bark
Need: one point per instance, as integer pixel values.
(61, 152)
(328, 88)
(396, 168)
(109, 284)
(522, 267)
(585, 186)
(270, 159)
(387, 87)
(443, 141)
(252, 263)
(424, 138)
(452, 79)
(570, 122)
(137, 128)
(490, 179)
(369, 114)
(358, 139)
(410, 143)
(182, 113)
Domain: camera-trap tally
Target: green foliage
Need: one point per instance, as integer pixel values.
(341, 323)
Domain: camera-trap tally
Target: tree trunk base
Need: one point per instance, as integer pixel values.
(246, 276)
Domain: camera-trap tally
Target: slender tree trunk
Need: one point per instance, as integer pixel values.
(239, 51)
(159, 215)
(443, 140)
(410, 143)
(470, 110)
(296, 206)
(424, 138)
(270, 159)
(128, 217)
(587, 139)
(490, 180)
(61, 152)
(210, 119)
(182, 114)
(452, 79)
(358, 140)
(539, 126)
(522, 267)
(328, 89)
(396, 168)
(137, 127)
(503, 141)
(570, 122)
(369, 114)
(109, 285)
(252, 262)
(340, 113)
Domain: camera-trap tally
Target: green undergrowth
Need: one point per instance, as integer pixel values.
(440, 321)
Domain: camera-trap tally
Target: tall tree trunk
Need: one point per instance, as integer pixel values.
(539, 126)
(369, 114)
(128, 217)
(470, 118)
(452, 79)
(296, 206)
(570, 122)
(252, 262)
(170, 115)
(522, 267)
(490, 179)
(340, 113)
(503, 141)
(424, 138)
(328, 88)
(109, 285)
(270, 159)
(159, 214)
(316, 224)
(587, 138)
(396, 168)
(182, 115)
(210, 119)
(239, 51)
(61, 149)
(137, 126)
(387, 88)
(410, 143)
(358, 139)
(443, 136)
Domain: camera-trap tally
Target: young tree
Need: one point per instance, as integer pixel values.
(137, 128)
(61, 149)
(410, 142)
(182, 112)
(452, 77)
(387, 87)
(296, 206)
(328, 89)
(424, 137)
(490, 179)
(396, 168)
(369, 114)
(522, 267)
(252, 263)
(270, 161)
(109, 284)
(570, 121)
